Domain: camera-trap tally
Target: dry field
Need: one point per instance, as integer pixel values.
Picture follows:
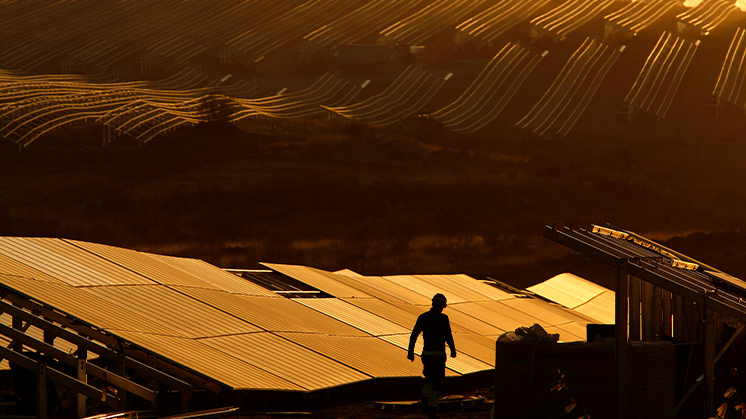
(349, 196)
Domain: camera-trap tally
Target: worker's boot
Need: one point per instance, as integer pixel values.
(432, 404)
(426, 390)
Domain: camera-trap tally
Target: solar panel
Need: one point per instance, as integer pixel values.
(242, 335)
(285, 359)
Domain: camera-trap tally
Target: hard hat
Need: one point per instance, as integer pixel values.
(440, 299)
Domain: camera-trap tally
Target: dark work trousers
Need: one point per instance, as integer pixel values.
(434, 370)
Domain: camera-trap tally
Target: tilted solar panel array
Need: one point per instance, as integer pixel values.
(579, 294)
(492, 90)
(730, 86)
(659, 79)
(408, 94)
(262, 39)
(426, 23)
(487, 26)
(669, 293)
(354, 26)
(97, 36)
(36, 105)
(330, 90)
(563, 19)
(171, 36)
(638, 15)
(706, 15)
(239, 335)
(32, 106)
(571, 92)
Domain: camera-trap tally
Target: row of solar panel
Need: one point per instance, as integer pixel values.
(244, 336)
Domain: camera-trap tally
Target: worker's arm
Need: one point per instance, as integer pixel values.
(449, 339)
(413, 339)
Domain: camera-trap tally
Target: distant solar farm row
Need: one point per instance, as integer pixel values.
(89, 35)
(32, 106)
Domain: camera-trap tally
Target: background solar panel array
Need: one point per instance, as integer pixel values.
(244, 336)
(578, 294)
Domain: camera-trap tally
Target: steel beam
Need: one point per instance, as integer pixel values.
(699, 288)
(709, 361)
(42, 402)
(48, 313)
(83, 378)
(116, 380)
(567, 239)
(54, 375)
(96, 348)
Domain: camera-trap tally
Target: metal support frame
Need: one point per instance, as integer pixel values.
(116, 379)
(655, 273)
(25, 362)
(88, 344)
(634, 308)
(740, 334)
(682, 286)
(709, 335)
(42, 404)
(55, 325)
(83, 378)
(121, 371)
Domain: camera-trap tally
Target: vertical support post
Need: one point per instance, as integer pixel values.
(83, 378)
(41, 391)
(699, 324)
(709, 335)
(49, 337)
(122, 371)
(667, 326)
(152, 383)
(17, 324)
(678, 318)
(691, 321)
(647, 312)
(184, 402)
(634, 308)
(621, 349)
(657, 313)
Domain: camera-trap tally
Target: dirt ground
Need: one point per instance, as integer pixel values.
(380, 203)
(470, 405)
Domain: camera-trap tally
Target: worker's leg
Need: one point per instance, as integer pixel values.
(434, 371)
(427, 389)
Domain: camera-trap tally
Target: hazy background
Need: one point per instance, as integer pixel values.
(414, 199)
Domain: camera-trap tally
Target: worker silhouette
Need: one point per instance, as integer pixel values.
(436, 331)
